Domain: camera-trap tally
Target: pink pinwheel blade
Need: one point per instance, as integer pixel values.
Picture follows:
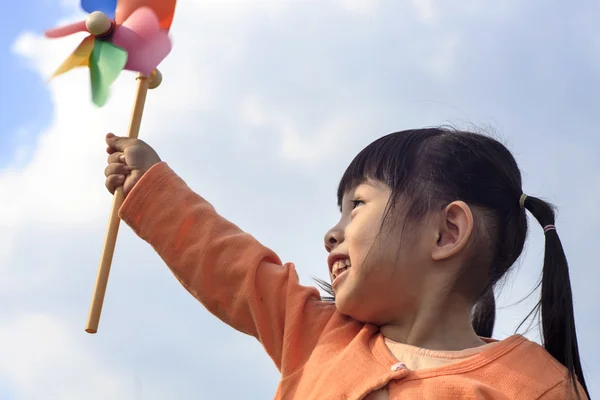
(144, 22)
(147, 56)
(146, 44)
(66, 30)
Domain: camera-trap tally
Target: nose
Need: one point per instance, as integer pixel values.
(333, 238)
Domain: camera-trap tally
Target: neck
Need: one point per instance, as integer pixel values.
(443, 323)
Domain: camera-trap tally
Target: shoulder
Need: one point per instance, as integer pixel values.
(564, 391)
(532, 366)
(531, 355)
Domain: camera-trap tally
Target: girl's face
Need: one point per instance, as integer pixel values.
(375, 272)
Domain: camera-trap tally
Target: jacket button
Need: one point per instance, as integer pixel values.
(398, 366)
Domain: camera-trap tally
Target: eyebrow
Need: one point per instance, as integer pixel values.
(366, 182)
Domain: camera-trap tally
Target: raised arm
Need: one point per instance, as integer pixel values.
(235, 277)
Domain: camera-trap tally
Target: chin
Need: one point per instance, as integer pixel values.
(342, 304)
(353, 307)
(348, 305)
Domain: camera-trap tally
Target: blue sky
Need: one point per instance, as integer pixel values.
(263, 104)
(24, 97)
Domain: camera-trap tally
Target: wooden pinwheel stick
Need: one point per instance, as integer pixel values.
(144, 83)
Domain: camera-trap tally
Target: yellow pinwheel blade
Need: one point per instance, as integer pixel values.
(79, 58)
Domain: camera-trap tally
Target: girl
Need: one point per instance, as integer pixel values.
(431, 220)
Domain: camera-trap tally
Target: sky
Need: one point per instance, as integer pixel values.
(262, 107)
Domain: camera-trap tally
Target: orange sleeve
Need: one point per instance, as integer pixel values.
(236, 278)
(564, 391)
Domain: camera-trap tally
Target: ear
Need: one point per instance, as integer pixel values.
(454, 230)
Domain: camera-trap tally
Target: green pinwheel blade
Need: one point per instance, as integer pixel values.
(106, 63)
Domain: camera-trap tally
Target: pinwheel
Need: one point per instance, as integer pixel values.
(136, 40)
(123, 35)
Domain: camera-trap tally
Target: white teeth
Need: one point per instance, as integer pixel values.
(340, 265)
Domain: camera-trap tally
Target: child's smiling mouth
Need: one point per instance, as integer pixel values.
(338, 265)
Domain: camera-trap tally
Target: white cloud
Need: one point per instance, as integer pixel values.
(360, 6)
(249, 86)
(39, 345)
(425, 9)
(442, 60)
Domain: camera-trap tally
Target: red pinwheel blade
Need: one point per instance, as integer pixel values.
(164, 10)
(146, 44)
(66, 30)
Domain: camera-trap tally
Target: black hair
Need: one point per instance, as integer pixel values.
(435, 166)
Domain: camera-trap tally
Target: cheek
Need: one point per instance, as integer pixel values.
(360, 238)
(383, 265)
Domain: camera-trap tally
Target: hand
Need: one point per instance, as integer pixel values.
(128, 161)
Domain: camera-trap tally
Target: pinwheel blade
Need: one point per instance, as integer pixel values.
(108, 7)
(146, 44)
(164, 10)
(79, 57)
(142, 22)
(106, 63)
(147, 57)
(66, 30)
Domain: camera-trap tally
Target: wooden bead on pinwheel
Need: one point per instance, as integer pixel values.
(98, 23)
(155, 79)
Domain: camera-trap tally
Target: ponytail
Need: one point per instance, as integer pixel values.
(556, 303)
(484, 314)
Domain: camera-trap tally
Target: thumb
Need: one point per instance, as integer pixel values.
(119, 143)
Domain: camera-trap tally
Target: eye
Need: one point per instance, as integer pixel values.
(356, 203)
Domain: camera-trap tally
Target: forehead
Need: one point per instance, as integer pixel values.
(368, 183)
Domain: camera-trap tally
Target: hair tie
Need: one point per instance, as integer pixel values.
(549, 228)
(522, 200)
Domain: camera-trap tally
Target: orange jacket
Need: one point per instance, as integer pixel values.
(320, 353)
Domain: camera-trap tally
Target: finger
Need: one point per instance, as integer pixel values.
(120, 143)
(109, 136)
(116, 169)
(116, 157)
(113, 182)
(110, 150)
